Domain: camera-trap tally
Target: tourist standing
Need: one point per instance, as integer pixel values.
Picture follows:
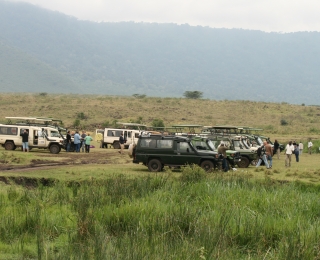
(121, 141)
(222, 150)
(83, 142)
(25, 139)
(289, 150)
(68, 141)
(300, 148)
(310, 144)
(269, 152)
(87, 141)
(77, 141)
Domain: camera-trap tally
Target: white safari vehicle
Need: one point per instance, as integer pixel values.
(39, 137)
(110, 136)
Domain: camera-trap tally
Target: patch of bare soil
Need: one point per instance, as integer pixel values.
(64, 158)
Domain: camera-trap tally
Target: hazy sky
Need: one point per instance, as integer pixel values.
(265, 15)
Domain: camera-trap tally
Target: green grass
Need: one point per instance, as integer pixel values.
(159, 217)
(119, 210)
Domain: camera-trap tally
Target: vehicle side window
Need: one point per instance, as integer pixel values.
(184, 147)
(8, 130)
(145, 143)
(164, 144)
(153, 143)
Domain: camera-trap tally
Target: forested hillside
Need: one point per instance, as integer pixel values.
(54, 53)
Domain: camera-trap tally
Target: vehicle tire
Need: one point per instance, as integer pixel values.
(154, 165)
(207, 165)
(116, 145)
(54, 148)
(244, 163)
(9, 145)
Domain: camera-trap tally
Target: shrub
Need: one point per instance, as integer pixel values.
(81, 115)
(192, 174)
(283, 122)
(139, 95)
(76, 123)
(157, 122)
(193, 94)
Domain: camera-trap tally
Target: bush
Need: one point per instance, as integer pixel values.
(193, 94)
(157, 123)
(283, 122)
(139, 95)
(193, 174)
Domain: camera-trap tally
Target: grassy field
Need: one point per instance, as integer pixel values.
(102, 206)
(120, 210)
(301, 122)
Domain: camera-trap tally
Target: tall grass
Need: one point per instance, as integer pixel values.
(159, 217)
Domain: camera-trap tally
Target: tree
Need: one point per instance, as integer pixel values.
(193, 94)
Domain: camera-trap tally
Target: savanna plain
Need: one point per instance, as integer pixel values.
(102, 206)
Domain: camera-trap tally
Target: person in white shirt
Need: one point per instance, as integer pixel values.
(300, 147)
(289, 150)
(310, 144)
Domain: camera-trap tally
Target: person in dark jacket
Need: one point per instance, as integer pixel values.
(222, 150)
(121, 141)
(68, 141)
(276, 148)
(25, 139)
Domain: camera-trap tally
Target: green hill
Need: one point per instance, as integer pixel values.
(21, 72)
(164, 59)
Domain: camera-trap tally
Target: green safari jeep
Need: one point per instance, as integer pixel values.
(156, 151)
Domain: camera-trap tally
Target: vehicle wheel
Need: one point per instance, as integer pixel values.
(116, 145)
(9, 145)
(244, 163)
(54, 148)
(154, 165)
(207, 165)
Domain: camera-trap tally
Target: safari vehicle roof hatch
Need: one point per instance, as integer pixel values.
(36, 121)
(132, 125)
(191, 128)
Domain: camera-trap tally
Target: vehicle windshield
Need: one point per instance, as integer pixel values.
(200, 145)
(259, 141)
(54, 133)
(237, 144)
(211, 145)
(245, 143)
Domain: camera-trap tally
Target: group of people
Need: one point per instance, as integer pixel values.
(80, 141)
(265, 152)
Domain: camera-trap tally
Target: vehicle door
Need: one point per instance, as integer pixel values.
(30, 135)
(39, 138)
(185, 154)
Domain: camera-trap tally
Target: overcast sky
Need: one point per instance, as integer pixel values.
(264, 15)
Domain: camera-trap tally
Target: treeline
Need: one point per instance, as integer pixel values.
(163, 59)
